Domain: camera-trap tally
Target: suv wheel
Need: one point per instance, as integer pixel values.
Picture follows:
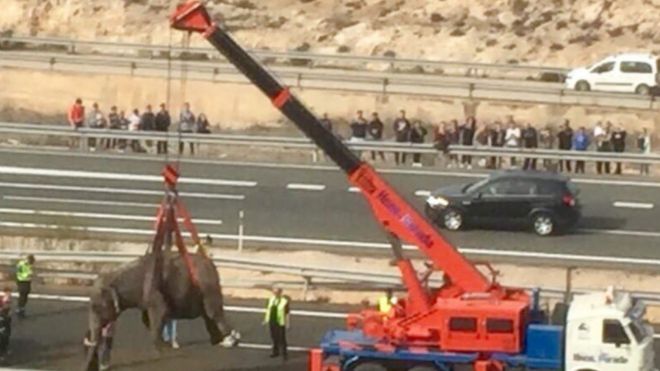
(452, 219)
(543, 224)
(643, 89)
(582, 86)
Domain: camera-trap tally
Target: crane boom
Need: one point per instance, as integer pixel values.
(396, 216)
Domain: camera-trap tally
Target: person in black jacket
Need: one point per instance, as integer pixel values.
(565, 138)
(530, 139)
(401, 134)
(417, 135)
(163, 122)
(375, 131)
(359, 130)
(466, 138)
(619, 144)
(148, 122)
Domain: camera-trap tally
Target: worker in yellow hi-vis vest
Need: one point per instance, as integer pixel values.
(387, 302)
(24, 283)
(277, 319)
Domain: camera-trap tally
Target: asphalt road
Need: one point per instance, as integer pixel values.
(50, 339)
(291, 201)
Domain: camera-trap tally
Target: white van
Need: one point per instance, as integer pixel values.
(606, 332)
(628, 72)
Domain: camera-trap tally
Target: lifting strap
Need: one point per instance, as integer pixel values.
(166, 226)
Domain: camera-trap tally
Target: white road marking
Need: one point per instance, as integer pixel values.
(270, 346)
(306, 187)
(231, 308)
(13, 170)
(363, 244)
(633, 183)
(621, 232)
(354, 189)
(113, 190)
(97, 215)
(266, 165)
(422, 193)
(633, 205)
(80, 202)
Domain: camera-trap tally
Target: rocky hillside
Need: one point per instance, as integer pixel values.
(548, 32)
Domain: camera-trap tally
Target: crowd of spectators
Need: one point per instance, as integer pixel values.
(146, 120)
(602, 137)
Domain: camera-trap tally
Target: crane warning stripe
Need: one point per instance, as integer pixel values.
(282, 97)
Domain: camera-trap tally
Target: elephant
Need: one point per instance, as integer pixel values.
(175, 296)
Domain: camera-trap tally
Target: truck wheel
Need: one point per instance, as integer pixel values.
(452, 219)
(582, 86)
(543, 224)
(370, 366)
(643, 89)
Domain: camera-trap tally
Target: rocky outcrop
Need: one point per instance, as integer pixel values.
(548, 32)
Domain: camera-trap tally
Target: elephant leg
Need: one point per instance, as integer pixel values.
(92, 343)
(216, 324)
(157, 312)
(213, 330)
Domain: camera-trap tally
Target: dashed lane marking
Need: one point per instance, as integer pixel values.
(97, 215)
(422, 193)
(13, 170)
(305, 187)
(113, 190)
(55, 200)
(633, 205)
(354, 189)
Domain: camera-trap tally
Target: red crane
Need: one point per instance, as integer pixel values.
(427, 318)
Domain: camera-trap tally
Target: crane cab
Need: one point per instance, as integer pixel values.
(483, 325)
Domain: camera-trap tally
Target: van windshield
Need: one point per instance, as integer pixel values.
(638, 331)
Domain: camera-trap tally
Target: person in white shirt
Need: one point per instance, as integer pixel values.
(512, 139)
(602, 137)
(134, 125)
(644, 144)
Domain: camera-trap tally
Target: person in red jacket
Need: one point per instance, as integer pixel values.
(76, 118)
(77, 114)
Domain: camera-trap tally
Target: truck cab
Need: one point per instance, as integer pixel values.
(606, 332)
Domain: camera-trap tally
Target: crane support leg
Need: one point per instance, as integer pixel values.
(418, 300)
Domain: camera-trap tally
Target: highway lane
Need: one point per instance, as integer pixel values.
(297, 201)
(50, 339)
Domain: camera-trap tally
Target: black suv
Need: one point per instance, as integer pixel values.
(547, 202)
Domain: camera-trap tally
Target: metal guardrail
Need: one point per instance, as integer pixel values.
(336, 79)
(306, 272)
(76, 46)
(304, 143)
